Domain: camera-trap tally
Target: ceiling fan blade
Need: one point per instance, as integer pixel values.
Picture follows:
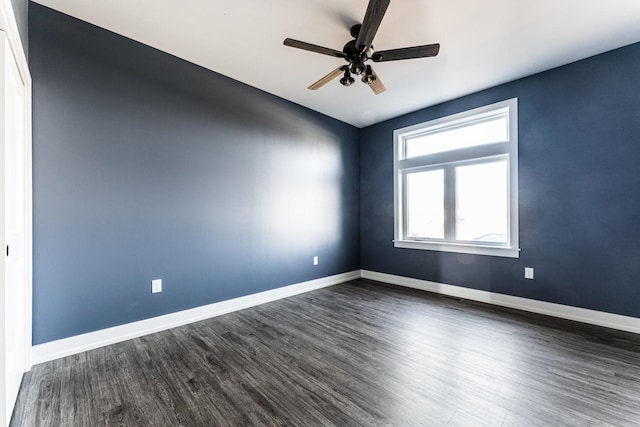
(372, 18)
(377, 86)
(326, 79)
(424, 51)
(313, 48)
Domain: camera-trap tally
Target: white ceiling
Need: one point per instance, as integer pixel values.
(483, 43)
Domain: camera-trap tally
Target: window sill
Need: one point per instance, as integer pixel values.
(500, 251)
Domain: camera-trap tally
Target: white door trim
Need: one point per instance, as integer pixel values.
(9, 26)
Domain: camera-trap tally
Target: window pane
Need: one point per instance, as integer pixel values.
(482, 202)
(494, 129)
(425, 205)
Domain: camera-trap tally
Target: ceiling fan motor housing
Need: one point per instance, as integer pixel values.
(354, 57)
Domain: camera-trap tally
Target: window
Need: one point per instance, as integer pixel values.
(456, 182)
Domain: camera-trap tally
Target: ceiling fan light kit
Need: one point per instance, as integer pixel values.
(347, 80)
(369, 77)
(357, 67)
(359, 50)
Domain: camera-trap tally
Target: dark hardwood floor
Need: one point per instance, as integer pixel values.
(354, 354)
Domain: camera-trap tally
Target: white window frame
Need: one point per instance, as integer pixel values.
(449, 160)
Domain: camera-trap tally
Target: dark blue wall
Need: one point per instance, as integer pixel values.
(20, 10)
(146, 166)
(579, 145)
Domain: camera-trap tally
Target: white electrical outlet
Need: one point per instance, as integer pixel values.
(315, 260)
(156, 286)
(528, 272)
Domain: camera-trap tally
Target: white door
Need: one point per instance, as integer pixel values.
(13, 323)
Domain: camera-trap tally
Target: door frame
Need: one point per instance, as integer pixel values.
(9, 25)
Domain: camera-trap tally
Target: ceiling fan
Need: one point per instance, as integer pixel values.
(359, 50)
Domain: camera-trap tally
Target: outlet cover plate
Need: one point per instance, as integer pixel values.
(156, 286)
(528, 273)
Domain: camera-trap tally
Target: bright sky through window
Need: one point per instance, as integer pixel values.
(482, 202)
(472, 134)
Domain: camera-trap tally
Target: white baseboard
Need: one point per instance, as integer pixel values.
(65, 347)
(79, 343)
(593, 317)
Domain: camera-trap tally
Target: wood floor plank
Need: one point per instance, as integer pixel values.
(357, 354)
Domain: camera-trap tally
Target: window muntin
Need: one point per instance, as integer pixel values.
(456, 182)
